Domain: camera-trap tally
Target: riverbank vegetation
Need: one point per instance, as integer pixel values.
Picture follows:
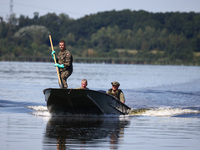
(133, 37)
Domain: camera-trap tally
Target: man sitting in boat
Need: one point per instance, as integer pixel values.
(114, 91)
(83, 85)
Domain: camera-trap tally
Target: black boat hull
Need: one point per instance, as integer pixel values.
(77, 101)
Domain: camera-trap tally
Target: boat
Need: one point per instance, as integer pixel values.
(79, 101)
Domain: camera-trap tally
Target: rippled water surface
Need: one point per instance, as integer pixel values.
(165, 102)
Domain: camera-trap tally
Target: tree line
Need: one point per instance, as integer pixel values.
(113, 36)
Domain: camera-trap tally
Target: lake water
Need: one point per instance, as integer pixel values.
(165, 102)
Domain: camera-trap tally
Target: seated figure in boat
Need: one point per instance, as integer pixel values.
(83, 85)
(116, 92)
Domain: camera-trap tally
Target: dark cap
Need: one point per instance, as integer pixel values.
(115, 83)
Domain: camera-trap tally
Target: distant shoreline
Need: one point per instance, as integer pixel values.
(146, 61)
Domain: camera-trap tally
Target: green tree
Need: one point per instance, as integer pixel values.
(177, 48)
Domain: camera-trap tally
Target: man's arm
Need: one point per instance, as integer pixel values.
(121, 97)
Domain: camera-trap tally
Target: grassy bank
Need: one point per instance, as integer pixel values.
(195, 62)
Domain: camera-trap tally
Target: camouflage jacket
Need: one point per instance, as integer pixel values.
(66, 59)
(118, 94)
(82, 88)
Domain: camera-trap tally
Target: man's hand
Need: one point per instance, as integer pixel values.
(53, 52)
(59, 66)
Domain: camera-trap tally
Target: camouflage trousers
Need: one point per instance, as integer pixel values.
(64, 75)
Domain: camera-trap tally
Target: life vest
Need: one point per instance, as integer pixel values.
(116, 94)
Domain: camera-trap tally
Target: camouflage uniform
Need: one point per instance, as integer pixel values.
(66, 59)
(118, 94)
(82, 88)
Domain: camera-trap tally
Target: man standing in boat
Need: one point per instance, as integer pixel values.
(116, 92)
(64, 64)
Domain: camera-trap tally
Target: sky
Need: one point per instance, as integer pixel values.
(79, 8)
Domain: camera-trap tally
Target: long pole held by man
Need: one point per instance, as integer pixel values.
(54, 58)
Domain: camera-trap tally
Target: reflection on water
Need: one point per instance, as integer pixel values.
(65, 133)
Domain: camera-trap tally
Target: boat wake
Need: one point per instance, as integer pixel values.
(149, 112)
(41, 111)
(166, 112)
